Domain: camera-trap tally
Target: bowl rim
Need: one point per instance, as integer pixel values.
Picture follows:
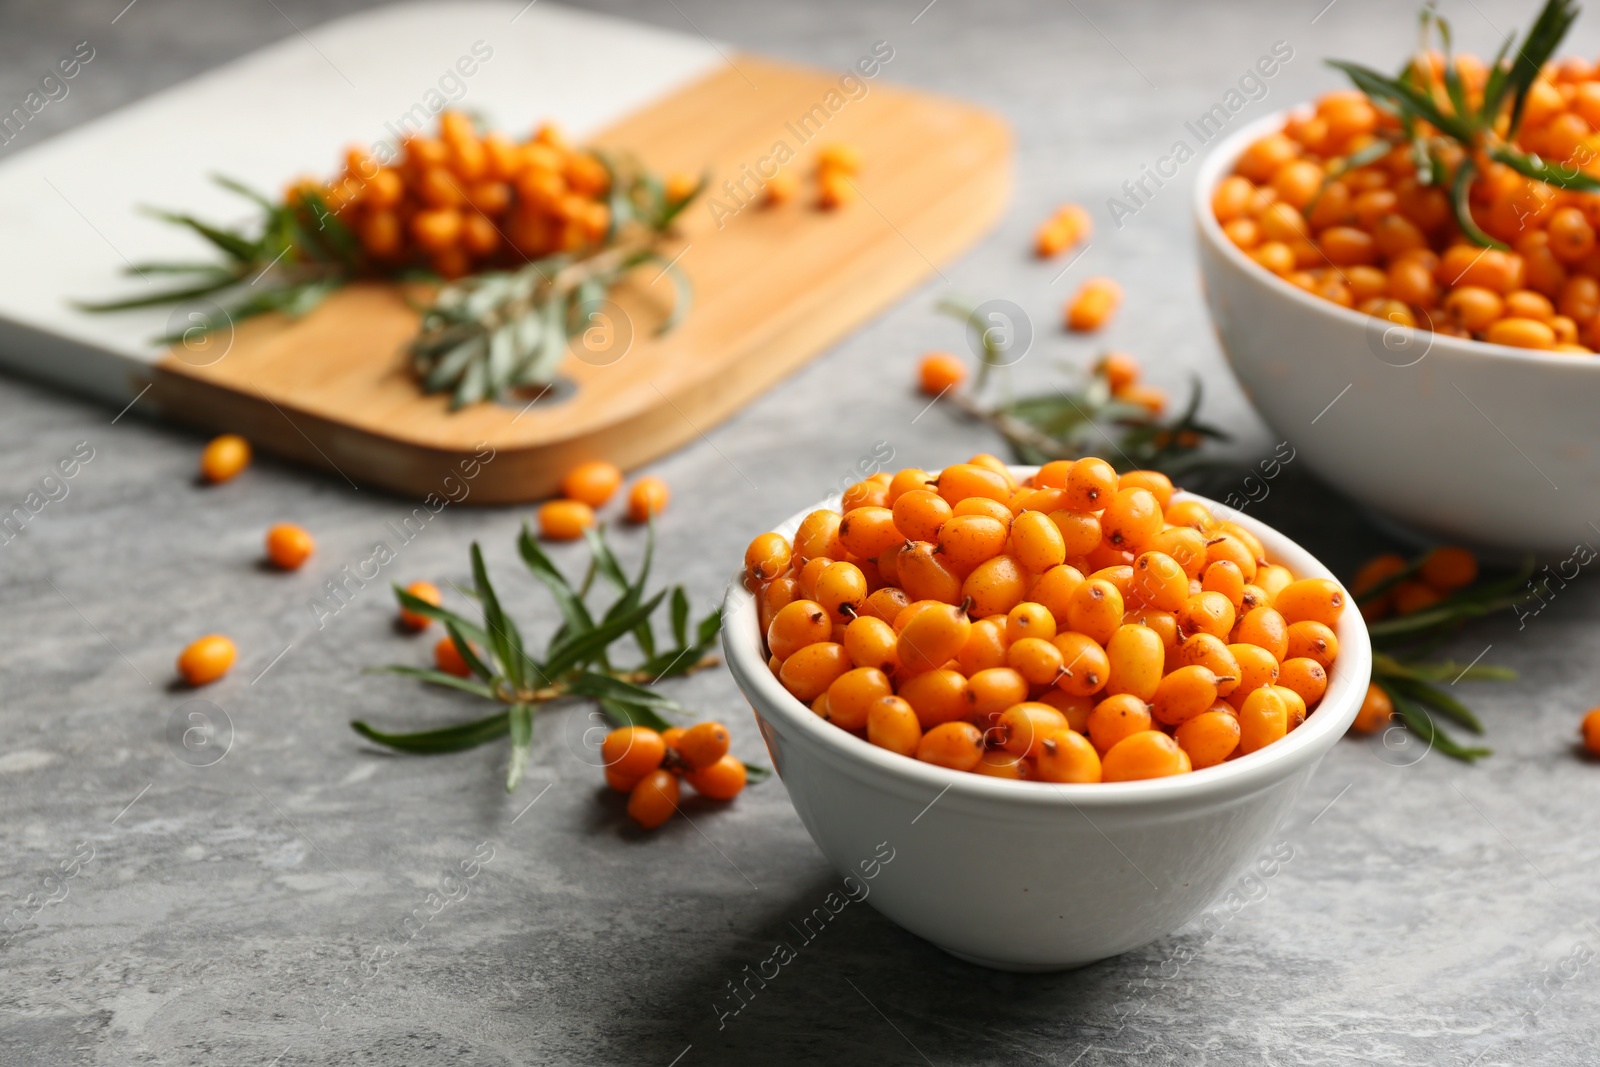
(1219, 162)
(745, 649)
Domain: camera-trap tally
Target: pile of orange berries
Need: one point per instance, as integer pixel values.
(1444, 570)
(1074, 626)
(646, 765)
(460, 202)
(1373, 238)
(589, 486)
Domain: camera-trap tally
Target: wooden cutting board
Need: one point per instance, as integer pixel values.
(773, 286)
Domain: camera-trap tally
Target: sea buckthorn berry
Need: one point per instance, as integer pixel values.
(932, 638)
(1266, 628)
(1305, 676)
(1590, 731)
(632, 751)
(1116, 718)
(1091, 483)
(868, 494)
(426, 592)
(936, 696)
(869, 532)
(1137, 657)
(1273, 578)
(1183, 694)
(1163, 624)
(798, 624)
(767, 557)
(1318, 599)
(990, 462)
(1037, 541)
(1225, 577)
(224, 457)
(1084, 664)
(1036, 659)
(1209, 738)
(980, 505)
(995, 586)
(1313, 640)
(1080, 531)
(654, 799)
(852, 694)
(647, 498)
(1473, 307)
(1159, 484)
(1190, 513)
(1119, 575)
(1206, 613)
(892, 724)
(1374, 572)
(940, 371)
(206, 659)
(702, 744)
(956, 745)
(905, 480)
(810, 573)
(1131, 519)
(1151, 754)
(1053, 475)
(1066, 756)
(1225, 546)
(1449, 568)
(1252, 597)
(594, 482)
(1263, 719)
(564, 520)
(924, 575)
(620, 782)
(722, 780)
(1075, 708)
(811, 670)
(1207, 650)
(871, 642)
(448, 658)
(1158, 581)
(1024, 726)
(920, 513)
(885, 603)
(1186, 545)
(961, 480)
(998, 763)
(1263, 158)
(842, 590)
(1520, 333)
(1257, 668)
(985, 648)
(1053, 590)
(818, 535)
(1231, 198)
(991, 691)
(1093, 305)
(967, 540)
(288, 546)
(1030, 619)
(1293, 703)
(1095, 610)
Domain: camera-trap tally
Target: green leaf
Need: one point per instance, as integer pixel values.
(680, 616)
(236, 186)
(574, 613)
(754, 773)
(1438, 699)
(1404, 97)
(1461, 206)
(1421, 723)
(504, 640)
(433, 677)
(440, 614)
(622, 713)
(1556, 17)
(521, 721)
(1561, 175)
(580, 650)
(166, 296)
(449, 739)
(605, 562)
(604, 686)
(236, 247)
(468, 653)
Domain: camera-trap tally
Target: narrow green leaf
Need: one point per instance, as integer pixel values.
(579, 650)
(1438, 699)
(605, 561)
(1461, 206)
(236, 186)
(521, 721)
(754, 773)
(592, 684)
(1561, 175)
(574, 613)
(1403, 96)
(440, 614)
(166, 296)
(622, 713)
(504, 640)
(234, 246)
(448, 739)
(468, 653)
(1421, 723)
(433, 677)
(680, 616)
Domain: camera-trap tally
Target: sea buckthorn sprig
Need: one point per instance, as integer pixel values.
(1074, 626)
(1109, 402)
(526, 238)
(1459, 196)
(576, 662)
(1410, 606)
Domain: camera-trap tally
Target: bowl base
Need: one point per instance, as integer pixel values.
(1015, 966)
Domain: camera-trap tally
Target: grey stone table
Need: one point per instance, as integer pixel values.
(254, 911)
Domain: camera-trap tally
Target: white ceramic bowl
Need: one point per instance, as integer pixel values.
(1491, 446)
(1032, 876)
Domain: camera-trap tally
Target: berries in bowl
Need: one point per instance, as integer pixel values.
(1406, 281)
(1074, 704)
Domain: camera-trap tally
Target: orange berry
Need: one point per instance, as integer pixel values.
(957, 745)
(1091, 308)
(593, 483)
(811, 670)
(1084, 664)
(1263, 719)
(1411, 597)
(1209, 738)
(1591, 731)
(993, 690)
(288, 546)
(932, 638)
(1149, 754)
(798, 624)
(654, 799)
(1449, 568)
(892, 724)
(939, 371)
(648, 497)
(224, 457)
(447, 657)
(1067, 756)
(1115, 718)
(937, 696)
(1131, 519)
(564, 520)
(852, 694)
(767, 557)
(206, 659)
(1313, 640)
(632, 751)
(1317, 599)
(426, 592)
(722, 780)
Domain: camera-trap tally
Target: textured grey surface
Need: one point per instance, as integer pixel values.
(1430, 913)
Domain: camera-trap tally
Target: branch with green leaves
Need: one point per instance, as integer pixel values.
(576, 663)
(1419, 688)
(1070, 423)
(1442, 125)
